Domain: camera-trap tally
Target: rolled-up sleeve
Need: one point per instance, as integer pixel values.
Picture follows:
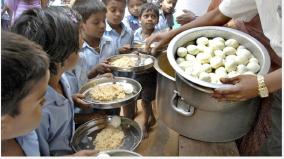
(243, 10)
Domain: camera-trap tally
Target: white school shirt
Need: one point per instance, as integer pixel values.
(270, 13)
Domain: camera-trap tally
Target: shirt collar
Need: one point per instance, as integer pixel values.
(161, 13)
(133, 19)
(57, 98)
(109, 28)
(104, 40)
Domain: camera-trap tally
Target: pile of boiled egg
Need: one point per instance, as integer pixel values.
(212, 59)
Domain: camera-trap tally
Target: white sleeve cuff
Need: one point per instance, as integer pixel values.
(243, 10)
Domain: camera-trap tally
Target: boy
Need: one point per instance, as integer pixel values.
(24, 81)
(149, 17)
(96, 47)
(115, 28)
(166, 19)
(59, 36)
(133, 8)
(95, 50)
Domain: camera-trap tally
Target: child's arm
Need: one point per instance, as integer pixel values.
(101, 68)
(77, 98)
(125, 49)
(83, 118)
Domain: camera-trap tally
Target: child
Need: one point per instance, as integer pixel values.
(56, 29)
(24, 82)
(95, 50)
(96, 47)
(166, 20)
(115, 28)
(133, 8)
(21, 113)
(149, 17)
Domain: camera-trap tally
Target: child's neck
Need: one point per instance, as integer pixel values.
(166, 14)
(147, 32)
(93, 42)
(54, 81)
(116, 27)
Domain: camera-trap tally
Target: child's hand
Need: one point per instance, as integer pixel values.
(99, 69)
(125, 49)
(186, 17)
(106, 75)
(86, 153)
(77, 98)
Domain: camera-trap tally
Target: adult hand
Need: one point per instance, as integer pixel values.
(160, 39)
(125, 49)
(86, 153)
(77, 98)
(101, 68)
(244, 87)
(186, 17)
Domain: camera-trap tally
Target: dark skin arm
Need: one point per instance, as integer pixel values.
(212, 18)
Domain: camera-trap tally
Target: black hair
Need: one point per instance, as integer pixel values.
(23, 64)
(88, 7)
(107, 1)
(144, 1)
(149, 7)
(56, 29)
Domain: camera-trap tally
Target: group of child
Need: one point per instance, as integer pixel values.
(77, 42)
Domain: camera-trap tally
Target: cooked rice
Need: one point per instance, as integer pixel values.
(108, 92)
(124, 62)
(109, 138)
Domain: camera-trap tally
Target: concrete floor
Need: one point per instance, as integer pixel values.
(161, 141)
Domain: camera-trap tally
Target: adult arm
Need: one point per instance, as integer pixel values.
(212, 18)
(246, 86)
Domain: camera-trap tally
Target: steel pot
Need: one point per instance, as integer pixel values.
(208, 126)
(197, 92)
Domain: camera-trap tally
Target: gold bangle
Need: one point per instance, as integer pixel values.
(262, 89)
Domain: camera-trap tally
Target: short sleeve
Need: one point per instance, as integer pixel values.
(243, 10)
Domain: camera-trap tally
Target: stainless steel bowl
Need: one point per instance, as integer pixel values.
(119, 152)
(117, 103)
(197, 93)
(140, 62)
(257, 49)
(86, 134)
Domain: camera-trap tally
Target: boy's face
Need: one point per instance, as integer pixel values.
(115, 12)
(134, 6)
(149, 19)
(168, 6)
(95, 25)
(29, 112)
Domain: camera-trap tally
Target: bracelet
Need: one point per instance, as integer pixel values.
(262, 89)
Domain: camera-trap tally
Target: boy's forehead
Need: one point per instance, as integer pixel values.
(148, 12)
